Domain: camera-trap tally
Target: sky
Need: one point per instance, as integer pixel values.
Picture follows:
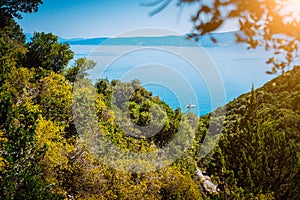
(106, 18)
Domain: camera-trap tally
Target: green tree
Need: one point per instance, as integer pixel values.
(55, 98)
(21, 175)
(50, 137)
(11, 46)
(104, 87)
(14, 8)
(257, 157)
(12, 38)
(44, 51)
(79, 69)
(10, 29)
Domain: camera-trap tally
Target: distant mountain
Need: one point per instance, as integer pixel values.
(84, 41)
(223, 39)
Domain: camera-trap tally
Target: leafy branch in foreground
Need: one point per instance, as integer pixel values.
(273, 24)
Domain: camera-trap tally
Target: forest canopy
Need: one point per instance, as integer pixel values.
(43, 157)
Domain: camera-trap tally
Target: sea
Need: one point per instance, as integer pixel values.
(196, 79)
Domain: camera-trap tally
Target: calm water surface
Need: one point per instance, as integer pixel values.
(174, 79)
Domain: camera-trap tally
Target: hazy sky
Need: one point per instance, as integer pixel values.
(95, 18)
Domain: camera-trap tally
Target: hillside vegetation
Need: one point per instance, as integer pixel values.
(258, 152)
(43, 155)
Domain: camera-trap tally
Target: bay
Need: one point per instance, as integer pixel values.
(174, 78)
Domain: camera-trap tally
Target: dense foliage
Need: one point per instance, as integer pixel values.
(258, 153)
(43, 157)
(14, 8)
(44, 51)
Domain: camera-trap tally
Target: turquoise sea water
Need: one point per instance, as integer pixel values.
(171, 75)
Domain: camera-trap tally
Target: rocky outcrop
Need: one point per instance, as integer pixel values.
(208, 185)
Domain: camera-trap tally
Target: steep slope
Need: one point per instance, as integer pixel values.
(258, 153)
